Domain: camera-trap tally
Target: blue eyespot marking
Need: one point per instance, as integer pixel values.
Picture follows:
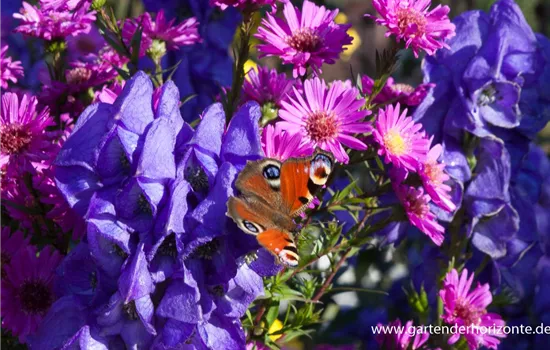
(250, 226)
(272, 172)
(323, 159)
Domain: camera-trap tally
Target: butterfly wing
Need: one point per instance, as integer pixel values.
(261, 179)
(270, 228)
(301, 178)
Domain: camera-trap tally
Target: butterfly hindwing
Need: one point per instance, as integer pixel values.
(281, 244)
(271, 229)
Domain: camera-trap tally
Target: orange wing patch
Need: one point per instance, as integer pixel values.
(281, 244)
(294, 180)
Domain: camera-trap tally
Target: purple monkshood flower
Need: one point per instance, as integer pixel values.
(396, 93)
(11, 70)
(306, 38)
(155, 201)
(485, 89)
(412, 22)
(55, 19)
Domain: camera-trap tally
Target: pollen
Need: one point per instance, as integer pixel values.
(36, 297)
(14, 138)
(395, 143)
(304, 40)
(411, 21)
(322, 126)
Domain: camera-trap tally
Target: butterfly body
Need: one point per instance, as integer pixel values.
(272, 194)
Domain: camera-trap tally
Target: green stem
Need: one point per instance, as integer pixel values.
(243, 51)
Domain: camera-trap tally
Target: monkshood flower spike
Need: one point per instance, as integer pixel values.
(158, 241)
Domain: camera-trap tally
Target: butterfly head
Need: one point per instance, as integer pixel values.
(321, 167)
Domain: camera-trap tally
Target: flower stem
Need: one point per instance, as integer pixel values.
(328, 281)
(242, 53)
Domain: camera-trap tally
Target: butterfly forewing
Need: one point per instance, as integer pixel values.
(301, 178)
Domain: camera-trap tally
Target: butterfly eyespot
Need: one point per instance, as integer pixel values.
(250, 226)
(272, 172)
(323, 158)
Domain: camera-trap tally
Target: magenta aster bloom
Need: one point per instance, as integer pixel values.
(417, 208)
(400, 139)
(11, 70)
(55, 19)
(433, 176)
(27, 290)
(326, 117)
(412, 22)
(25, 145)
(401, 341)
(306, 38)
(466, 307)
(11, 243)
(281, 144)
(175, 36)
(266, 86)
(396, 93)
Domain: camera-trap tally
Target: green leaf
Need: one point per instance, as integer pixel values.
(188, 98)
(135, 44)
(272, 313)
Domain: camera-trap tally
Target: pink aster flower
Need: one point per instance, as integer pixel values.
(433, 176)
(396, 93)
(25, 145)
(267, 86)
(11, 243)
(11, 70)
(55, 19)
(246, 5)
(400, 139)
(326, 117)
(281, 144)
(27, 291)
(466, 307)
(400, 340)
(161, 29)
(417, 208)
(410, 20)
(306, 38)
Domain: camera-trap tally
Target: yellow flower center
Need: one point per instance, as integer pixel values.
(395, 143)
